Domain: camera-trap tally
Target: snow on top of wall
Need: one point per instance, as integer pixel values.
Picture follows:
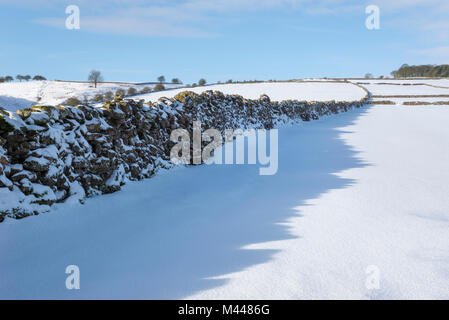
(277, 91)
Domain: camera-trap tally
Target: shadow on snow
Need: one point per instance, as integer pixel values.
(164, 237)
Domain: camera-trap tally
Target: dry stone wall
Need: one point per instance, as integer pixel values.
(51, 154)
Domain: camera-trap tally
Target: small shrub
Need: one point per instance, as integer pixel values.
(98, 97)
(73, 101)
(145, 90)
(120, 92)
(131, 92)
(159, 87)
(108, 95)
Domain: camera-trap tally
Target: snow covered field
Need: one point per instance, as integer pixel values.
(385, 89)
(385, 206)
(434, 82)
(364, 188)
(277, 91)
(19, 95)
(355, 192)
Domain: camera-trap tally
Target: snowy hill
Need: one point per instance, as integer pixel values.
(20, 95)
(355, 192)
(277, 91)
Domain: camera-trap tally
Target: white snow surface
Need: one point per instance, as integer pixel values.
(277, 91)
(364, 188)
(391, 89)
(19, 95)
(435, 82)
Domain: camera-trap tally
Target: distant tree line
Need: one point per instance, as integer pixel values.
(22, 78)
(6, 79)
(428, 70)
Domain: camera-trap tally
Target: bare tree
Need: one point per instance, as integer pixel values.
(161, 79)
(95, 77)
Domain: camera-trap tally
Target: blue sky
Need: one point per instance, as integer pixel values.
(136, 40)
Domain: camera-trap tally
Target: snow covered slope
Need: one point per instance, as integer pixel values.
(277, 91)
(386, 89)
(19, 95)
(356, 191)
(434, 82)
(386, 209)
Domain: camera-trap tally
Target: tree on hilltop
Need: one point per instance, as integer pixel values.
(95, 77)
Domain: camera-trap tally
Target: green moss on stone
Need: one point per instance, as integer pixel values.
(185, 95)
(5, 126)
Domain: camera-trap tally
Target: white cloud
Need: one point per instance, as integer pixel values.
(401, 5)
(129, 25)
(200, 18)
(190, 18)
(437, 52)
